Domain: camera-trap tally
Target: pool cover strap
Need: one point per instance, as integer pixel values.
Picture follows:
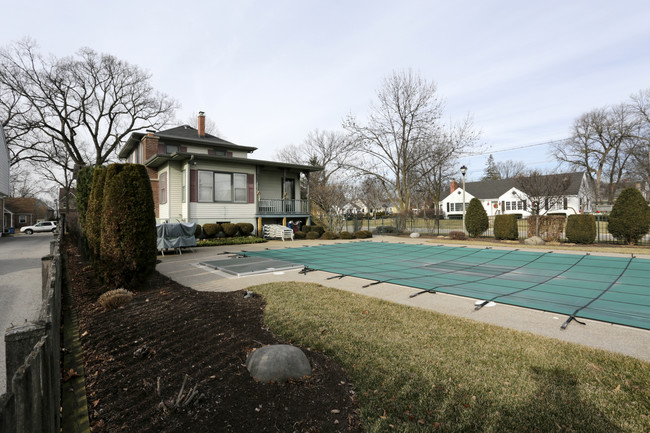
(482, 304)
(573, 316)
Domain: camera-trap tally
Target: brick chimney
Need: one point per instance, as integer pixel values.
(453, 186)
(201, 124)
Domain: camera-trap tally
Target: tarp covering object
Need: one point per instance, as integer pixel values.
(176, 235)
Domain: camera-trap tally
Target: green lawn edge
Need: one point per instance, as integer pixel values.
(418, 371)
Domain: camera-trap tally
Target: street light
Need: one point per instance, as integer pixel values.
(463, 170)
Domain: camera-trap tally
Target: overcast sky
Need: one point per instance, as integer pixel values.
(268, 72)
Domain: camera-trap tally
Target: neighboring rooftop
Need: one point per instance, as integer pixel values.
(488, 189)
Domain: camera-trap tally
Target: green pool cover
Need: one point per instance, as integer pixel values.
(609, 289)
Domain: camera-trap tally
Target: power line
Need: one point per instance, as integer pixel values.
(519, 147)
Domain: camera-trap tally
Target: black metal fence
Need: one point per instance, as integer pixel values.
(442, 227)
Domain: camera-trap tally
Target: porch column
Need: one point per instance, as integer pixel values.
(259, 227)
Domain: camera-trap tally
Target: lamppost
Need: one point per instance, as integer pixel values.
(463, 170)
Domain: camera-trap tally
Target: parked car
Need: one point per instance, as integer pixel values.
(43, 226)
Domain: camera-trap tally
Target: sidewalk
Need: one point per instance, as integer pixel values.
(185, 269)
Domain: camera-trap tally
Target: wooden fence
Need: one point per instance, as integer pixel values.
(33, 398)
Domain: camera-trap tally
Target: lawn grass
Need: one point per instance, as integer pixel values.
(420, 371)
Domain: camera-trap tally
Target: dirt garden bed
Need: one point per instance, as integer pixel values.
(137, 358)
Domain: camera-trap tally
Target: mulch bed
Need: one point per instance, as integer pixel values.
(138, 356)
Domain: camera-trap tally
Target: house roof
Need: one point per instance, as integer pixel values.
(183, 134)
(158, 160)
(24, 205)
(488, 189)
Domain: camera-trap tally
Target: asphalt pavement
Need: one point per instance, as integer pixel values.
(20, 283)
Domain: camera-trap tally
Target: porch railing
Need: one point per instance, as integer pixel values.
(282, 207)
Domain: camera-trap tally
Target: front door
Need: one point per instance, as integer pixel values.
(289, 195)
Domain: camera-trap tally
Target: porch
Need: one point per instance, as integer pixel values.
(268, 207)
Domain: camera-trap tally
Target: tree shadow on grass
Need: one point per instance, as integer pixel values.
(556, 406)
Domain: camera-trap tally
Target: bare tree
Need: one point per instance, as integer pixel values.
(442, 164)
(543, 192)
(509, 169)
(329, 150)
(372, 194)
(83, 106)
(640, 106)
(601, 143)
(398, 140)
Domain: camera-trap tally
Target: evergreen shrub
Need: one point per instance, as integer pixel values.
(313, 234)
(128, 230)
(581, 229)
(329, 235)
(229, 229)
(346, 235)
(363, 234)
(245, 228)
(300, 235)
(93, 222)
(211, 230)
(476, 218)
(198, 231)
(505, 227)
(82, 195)
(629, 219)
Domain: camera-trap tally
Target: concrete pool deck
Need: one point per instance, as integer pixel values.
(186, 270)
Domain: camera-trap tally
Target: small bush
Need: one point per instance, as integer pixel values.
(229, 229)
(245, 228)
(115, 298)
(211, 230)
(458, 236)
(581, 229)
(198, 231)
(476, 219)
(329, 236)
(385, 229)
(505, 227)
(363, 234)
(346, 235)
(313, 234)
(306, 228)
(318, 229)
(629, 220)
(300, 235)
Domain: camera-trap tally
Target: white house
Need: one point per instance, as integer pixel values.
(503, 197)
(197, 177)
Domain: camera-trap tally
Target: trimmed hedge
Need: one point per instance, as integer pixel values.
(363, 234)
(211, 230)
(198, 231)
(300, 235)
(329, 235)
(84, 186)
(346, 235)
(230, 229)
(93, 223)
(385, 229)
(581, 229)
(128, 243)
(476, 219)
(629, 219)
(245, 228)
(505, 227)
(313, 234)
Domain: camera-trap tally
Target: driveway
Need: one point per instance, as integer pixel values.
(20, 284)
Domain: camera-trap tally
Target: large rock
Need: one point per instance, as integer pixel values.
(415, 235)
(534, 240)
(278, 363)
